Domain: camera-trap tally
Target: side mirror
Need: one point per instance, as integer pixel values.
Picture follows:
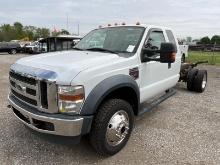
(167, 53)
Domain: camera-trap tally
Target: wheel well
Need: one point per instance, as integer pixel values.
(125, 93)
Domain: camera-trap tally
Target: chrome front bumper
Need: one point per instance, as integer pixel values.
(46, 123)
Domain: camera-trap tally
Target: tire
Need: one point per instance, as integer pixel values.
(103, 136)
(200, 81)
(183, 59)
(13, 51)
(190, 78)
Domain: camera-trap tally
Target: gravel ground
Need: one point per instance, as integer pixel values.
(184, 129)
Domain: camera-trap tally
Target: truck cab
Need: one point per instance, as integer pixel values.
(98, 87)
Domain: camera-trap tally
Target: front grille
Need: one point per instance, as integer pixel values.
(28, 90)
(36, 93)
(26, 99)
(24, 88)
(31, 91)
(12, 83)
(24, 79)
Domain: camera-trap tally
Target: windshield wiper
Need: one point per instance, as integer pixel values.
(102, 50)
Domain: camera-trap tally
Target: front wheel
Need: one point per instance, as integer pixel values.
(112, 127)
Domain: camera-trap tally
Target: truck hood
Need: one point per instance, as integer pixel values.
(67, 64)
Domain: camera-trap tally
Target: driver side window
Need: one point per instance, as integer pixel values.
(154, 41)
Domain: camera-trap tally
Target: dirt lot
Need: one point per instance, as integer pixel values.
(185, 129)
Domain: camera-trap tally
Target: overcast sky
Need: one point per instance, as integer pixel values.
(194, 18)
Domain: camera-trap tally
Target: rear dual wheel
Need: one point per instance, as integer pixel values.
(197, 80)
(200, 81)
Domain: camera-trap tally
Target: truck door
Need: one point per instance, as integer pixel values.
(156, 77)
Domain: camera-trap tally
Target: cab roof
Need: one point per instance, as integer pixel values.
(135, 25)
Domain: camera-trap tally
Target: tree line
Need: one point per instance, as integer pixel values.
(214, 40)
(26, 33)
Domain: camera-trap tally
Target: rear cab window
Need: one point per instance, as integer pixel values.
(170, 36)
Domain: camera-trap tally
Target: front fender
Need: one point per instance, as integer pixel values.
(105, 87)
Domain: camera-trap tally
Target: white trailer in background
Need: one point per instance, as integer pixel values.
(184, 52)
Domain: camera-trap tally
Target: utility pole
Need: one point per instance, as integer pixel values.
(78, 28)
(67, 22)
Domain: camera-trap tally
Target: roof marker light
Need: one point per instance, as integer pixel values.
(109, 24)
(123, 23)
(138, 23)
(116, 24)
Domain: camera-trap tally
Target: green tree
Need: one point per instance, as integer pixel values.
(18, 28)
(7, 32)
(64, 32)
(42, 33)
(205, 40)
(215, 39)
(29, 32)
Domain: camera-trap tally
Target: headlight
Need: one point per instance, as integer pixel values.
(70, 98)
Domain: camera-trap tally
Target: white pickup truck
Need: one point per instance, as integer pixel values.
(97, 89)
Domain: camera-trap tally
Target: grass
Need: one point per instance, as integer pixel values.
(213, 58)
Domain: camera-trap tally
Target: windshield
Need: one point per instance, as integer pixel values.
(116, 39)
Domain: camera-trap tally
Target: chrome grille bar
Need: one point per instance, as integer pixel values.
(23, 83)
(23, 93)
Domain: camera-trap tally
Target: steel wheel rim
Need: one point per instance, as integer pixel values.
(117, 128)
(204, 81)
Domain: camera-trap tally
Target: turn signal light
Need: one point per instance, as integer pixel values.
(172, 56)
(71, 97)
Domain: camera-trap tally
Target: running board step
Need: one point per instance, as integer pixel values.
(148, 106)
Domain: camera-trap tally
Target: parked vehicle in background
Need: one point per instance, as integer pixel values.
(33, 48)
(184, 52)
(10, 47)
(23, 45)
